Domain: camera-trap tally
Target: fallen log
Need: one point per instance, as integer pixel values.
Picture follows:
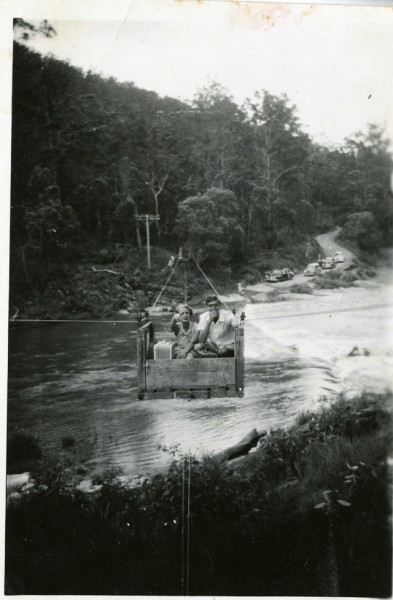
(105, 271)
(243, 447)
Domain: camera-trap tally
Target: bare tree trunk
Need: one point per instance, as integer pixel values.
(156, 190)
(124, 180)
(137, 232)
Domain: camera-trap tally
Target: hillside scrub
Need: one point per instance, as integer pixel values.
(105, 282)
(116, 278)
(307, 513)
(330, 280)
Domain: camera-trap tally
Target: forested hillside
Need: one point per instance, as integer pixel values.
(238, 184)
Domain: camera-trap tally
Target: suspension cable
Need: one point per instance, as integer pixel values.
(166, 283)
(321, 312)
(208, 280)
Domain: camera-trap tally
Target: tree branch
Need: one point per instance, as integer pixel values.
(105, 271)
(285, 171)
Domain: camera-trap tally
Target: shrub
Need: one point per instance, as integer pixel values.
(56, 474)
(301, 288)
(67, 442)
(273, 296)
(335, 279)
(365, 273)
(23, 450)
(250, 276)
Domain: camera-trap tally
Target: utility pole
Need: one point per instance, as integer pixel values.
(148, 219)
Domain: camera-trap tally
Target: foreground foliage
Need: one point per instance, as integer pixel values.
(306, 514)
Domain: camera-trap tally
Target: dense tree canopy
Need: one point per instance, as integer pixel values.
(209, 223)
(91, 154)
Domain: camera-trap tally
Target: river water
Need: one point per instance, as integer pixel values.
(79, 379)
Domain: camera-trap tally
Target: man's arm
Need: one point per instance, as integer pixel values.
(205, 331)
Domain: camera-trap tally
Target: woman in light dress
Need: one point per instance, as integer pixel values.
(184, 329)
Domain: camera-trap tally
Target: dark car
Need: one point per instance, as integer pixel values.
(279, 275)
(312, 270)
(339, 257)
(328, 263)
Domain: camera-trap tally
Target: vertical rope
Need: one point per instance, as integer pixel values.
(182, 530)
(188, 522)
(208, 281)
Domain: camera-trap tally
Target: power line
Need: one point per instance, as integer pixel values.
(128, 322)
(114, 322)
(321, 312)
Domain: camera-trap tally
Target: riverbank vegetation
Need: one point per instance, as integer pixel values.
(243, 186)
(307, 513)
(338, 279)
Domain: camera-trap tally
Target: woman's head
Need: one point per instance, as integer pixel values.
(185, 312)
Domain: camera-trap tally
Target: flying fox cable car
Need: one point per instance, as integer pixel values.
(160, 378)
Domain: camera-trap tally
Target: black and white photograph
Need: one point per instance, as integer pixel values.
(197, 218)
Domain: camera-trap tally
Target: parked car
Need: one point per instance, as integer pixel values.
(312, 269)
(328, 263)
(339, 257)
(279, 275)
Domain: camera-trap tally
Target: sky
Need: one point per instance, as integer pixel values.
(335, 63)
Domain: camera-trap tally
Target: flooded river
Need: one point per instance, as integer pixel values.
(79, 379)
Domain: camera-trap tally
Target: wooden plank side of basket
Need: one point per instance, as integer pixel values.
(196, 378)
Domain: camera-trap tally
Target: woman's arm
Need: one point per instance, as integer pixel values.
(194, 340)
(174, 324)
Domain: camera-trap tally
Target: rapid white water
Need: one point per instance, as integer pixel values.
(327, 326)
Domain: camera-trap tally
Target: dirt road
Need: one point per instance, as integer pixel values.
(329, 246)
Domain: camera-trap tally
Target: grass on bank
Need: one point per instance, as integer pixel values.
(330, 280)
(301, 288)
(306, 514)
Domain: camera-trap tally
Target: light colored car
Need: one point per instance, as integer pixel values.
(312, 269)
(328, 263)
(279, 275)
(339, 257)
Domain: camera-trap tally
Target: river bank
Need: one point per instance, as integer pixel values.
(106, 283)
(311, 505)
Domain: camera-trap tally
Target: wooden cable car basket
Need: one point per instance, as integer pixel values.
(183, 378)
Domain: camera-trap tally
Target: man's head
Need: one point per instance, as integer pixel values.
(213, 304)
